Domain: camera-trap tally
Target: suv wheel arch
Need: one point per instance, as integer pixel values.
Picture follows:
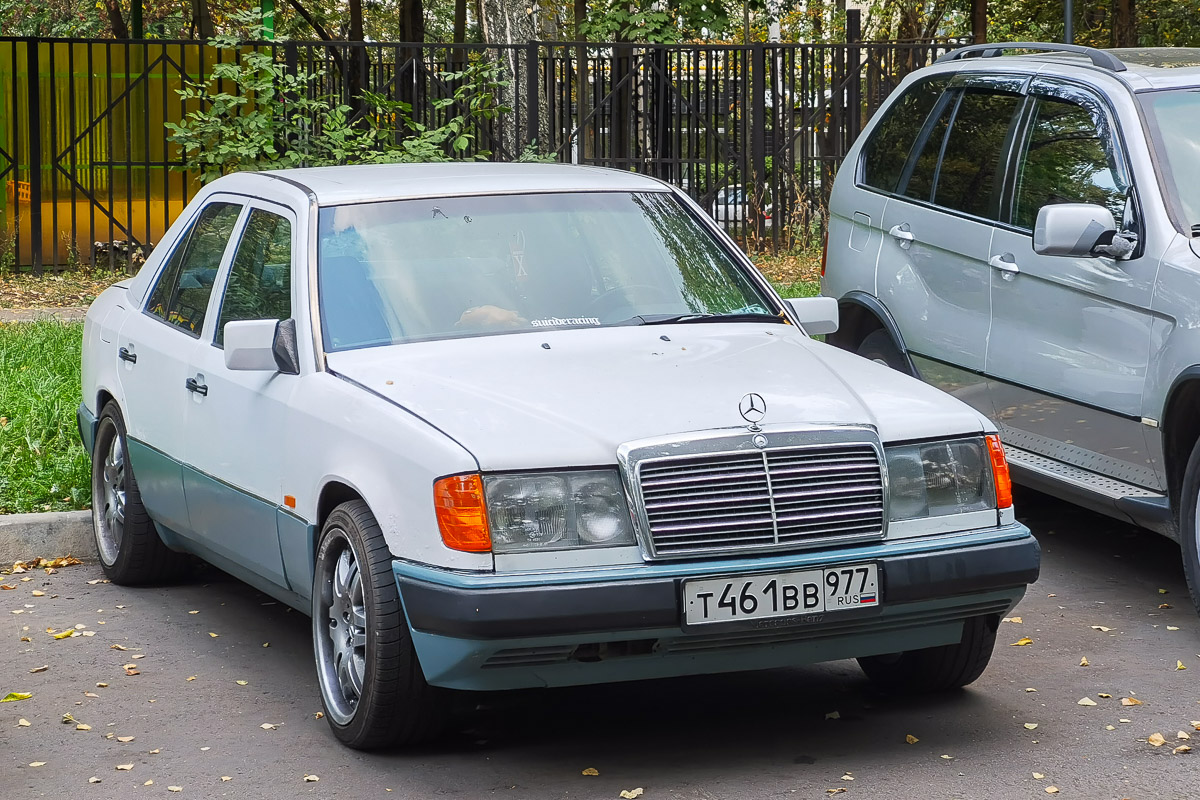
(1180, 429)
(860, 315)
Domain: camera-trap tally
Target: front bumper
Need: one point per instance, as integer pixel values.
(511, 631)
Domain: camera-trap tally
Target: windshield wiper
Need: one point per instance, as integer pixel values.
(734, 316)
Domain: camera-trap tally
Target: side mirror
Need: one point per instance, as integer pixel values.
(1072, 229)
(816, 315)
(262, 345)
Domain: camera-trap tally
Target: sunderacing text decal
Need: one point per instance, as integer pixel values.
(552, 321)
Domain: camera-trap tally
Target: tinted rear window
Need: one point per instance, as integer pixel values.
(885, 155)
(966, 179)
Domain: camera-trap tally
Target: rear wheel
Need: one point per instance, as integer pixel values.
(129, 547)
(372, 686)
(1189, 525)
(936, 669)
(879, 347)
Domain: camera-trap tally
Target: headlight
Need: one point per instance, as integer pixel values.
(555, 511)
(939, 478)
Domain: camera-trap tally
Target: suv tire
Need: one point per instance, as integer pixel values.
(1189, 525)
(879, 347)
(936, 669)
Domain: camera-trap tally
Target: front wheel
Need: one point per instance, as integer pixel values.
(1189, 525)
(936, 669)
(372, 686)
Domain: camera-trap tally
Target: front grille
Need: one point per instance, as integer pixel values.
(771, 499)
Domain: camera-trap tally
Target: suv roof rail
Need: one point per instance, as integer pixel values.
(1098, 57)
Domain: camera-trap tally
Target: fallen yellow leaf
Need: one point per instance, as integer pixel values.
(14, 696)
(1130, 701)
(38, 593)
(102, 685)
(148, 783)
(1110, 727)
(191, 677)
(83, 726)
(67, 634)
(1104, 695)
(1156, 740)
(911, 739)
(225, 778)
(213, 635)
(1124, 720)
(270, 726)
(1022, 642)
(117, 647)
(42, 668)
(124, 767)
(1038, 776)
(1031, 689)
(847, 777)
(946, 756)
(838, 790)
(155, 751)
(125, 739)
(1183, 748)
(1017, 620)
(319, 715)
(311, 778)
(1183, 735)
(1101, 628)
(37, 763)
(1087, 701)
(1172, 627)
(1180, 665)
(1083, 662)
(591, 771)
(1164, 605)
(1030, 726)
(193, 612)
(242, 683)
(1051, 790)
(174, 788)
(93, 779)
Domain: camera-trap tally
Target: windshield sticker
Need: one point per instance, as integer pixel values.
(551, 322)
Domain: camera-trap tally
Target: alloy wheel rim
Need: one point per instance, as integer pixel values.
(110, 528)
(341, 632)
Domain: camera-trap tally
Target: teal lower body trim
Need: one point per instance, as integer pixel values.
(297, 545)
(160, 482)
(485, 665)
(87, 427)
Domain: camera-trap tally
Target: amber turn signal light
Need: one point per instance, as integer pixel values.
(1000, 477)
(461, 513)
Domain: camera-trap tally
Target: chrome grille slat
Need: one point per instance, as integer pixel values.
(788, 497)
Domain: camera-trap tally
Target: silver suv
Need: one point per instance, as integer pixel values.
(1018, 230)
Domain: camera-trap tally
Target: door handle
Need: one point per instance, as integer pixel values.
(1005, 263)
(902, 234)
(125, 355)
(194, 386)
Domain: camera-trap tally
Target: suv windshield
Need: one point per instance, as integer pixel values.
(412, 270)
(1174, 118)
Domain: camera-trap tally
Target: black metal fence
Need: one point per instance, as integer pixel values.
(751, 132)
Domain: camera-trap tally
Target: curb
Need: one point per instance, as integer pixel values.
(68, 314)
(47, 535)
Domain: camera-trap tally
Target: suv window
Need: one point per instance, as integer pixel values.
(181, 295)
(259, 284)
(1065, 160)
(966, 174)
(885, 155)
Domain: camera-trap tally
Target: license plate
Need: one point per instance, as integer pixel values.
(798, 593)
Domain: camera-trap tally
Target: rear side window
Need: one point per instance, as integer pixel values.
(181, 295)
(967, 175)
(887, 152)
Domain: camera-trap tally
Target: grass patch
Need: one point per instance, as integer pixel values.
(43, 466)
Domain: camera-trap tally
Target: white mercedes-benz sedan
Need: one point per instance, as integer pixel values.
(517, 425)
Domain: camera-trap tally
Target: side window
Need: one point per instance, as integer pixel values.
(924, 169)
(885, 155)
(260, 281)
(1066, 160)
(181, 295)
(967, 175)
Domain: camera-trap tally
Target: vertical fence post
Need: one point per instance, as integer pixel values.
(758, 134)
(854, 85)
(531, 97)
(34, 87)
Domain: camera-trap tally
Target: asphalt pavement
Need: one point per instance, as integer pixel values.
(224, 703)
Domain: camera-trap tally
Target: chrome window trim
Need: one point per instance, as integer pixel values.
(631, 456)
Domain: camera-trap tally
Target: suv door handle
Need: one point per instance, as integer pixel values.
(194, 386)
(125, 355)
(902, 234)
(1005, 263)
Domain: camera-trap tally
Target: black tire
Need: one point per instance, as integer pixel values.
(130, 550)
(936, 669)
(878, 346)
(372, 686)
(1189, 525)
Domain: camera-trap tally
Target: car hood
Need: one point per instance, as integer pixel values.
(571, 397)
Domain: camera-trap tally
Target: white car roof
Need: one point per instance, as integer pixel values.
(375, 182)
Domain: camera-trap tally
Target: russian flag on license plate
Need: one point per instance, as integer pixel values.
(866, 599)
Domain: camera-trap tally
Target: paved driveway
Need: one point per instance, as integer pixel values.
(763, 735)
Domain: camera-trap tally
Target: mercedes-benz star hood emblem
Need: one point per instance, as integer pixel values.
(753, 408)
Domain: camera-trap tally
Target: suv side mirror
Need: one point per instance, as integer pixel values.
(1072, 229)
(262, 345)
(816, 315)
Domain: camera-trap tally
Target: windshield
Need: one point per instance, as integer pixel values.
(1174, 118)
(413, 270)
